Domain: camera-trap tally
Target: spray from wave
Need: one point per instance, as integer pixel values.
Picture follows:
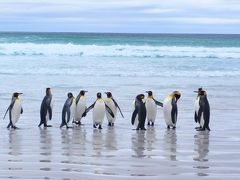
(141, 51)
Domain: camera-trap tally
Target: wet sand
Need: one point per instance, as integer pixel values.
(120, 152)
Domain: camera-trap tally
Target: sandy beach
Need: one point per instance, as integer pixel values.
(120, 153)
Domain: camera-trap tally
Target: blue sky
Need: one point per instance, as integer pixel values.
(141, 16)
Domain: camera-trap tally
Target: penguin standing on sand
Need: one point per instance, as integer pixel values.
(81, 106)
(139, 113)
(151, 107)
(46, 108)
(170, 109)
(112, 104)
(15, 109)
(68, 110)
(99, 108)
(202, 110)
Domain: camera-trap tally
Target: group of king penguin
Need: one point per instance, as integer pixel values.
(74, 109)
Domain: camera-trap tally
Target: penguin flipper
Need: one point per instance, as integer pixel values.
(21, 110)
(9, 107)
(68, 115)
(195, 117)
(116, 104)
(77, 99)
(158, 103)
(174, 112)
(88, 109)
(134, 114)
(49, 112)
(109, 110)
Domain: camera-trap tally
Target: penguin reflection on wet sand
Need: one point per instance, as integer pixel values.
(139, 112)
(151, 107)
(15, 109)
(113, 105)
(99, 108)
(81, 106)
(170, 109)
(68, 110)
(46, 108)
(202, 110)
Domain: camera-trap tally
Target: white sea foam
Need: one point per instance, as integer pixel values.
(31, 49)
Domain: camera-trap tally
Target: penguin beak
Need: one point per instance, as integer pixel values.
(20, 93)
(195, 91)
(85, 91)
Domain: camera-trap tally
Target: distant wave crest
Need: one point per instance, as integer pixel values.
(31, 49)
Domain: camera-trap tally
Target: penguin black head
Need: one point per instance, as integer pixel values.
(48, 91)
(109, 94)
(99, 95)
(70, 95)
(82, 92)
(202, 93)
(140, 96)
(16, 94)
(177, 94)
(199, 89)
(149, 93)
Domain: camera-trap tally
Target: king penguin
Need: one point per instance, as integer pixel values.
(151, 107)
(113, 105)
(196, 107)
(139, 112)
(68, 110)
(170, 109)
(15, 109)
(81, 106)
(202, 110)
(99, 108)
(46, 108)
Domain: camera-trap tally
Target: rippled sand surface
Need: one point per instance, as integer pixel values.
(119, 153)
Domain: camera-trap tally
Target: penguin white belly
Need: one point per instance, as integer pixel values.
(151, 108)
(99, 112)
(16, 111)
(80, 109)
(112, 106)
(196, 105)
(167, 110)
(72, 109)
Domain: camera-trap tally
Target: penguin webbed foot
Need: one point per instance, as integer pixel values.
(99, 127)
(201, 129)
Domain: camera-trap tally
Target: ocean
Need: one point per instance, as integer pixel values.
(126, 65)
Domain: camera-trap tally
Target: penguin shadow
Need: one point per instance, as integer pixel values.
(45, 149)
(170, 144)
(201, 146)
(150, 138)
(201, 150)
(79, 135)
(66, 141)
(97, 142)
(110, 139)
(138, 144)
(15, 142)
(45, 142)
